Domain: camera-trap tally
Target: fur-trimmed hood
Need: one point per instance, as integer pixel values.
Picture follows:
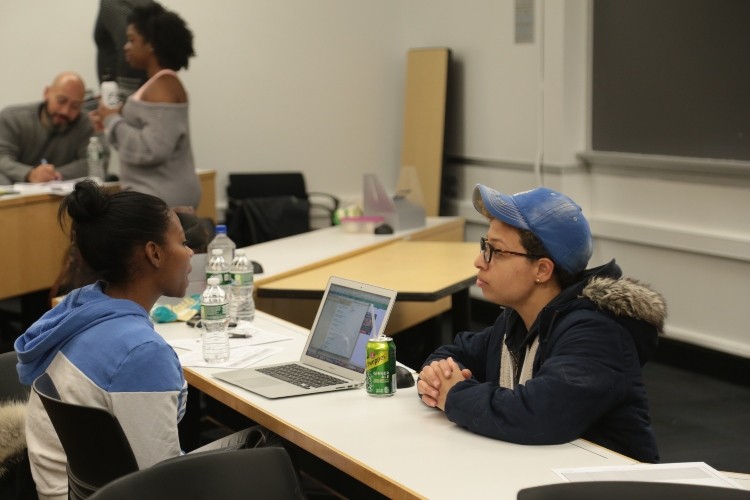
(634, 305)
(12, 433)
(627, 297)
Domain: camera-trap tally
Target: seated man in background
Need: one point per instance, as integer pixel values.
(46, 141)
(563, 360)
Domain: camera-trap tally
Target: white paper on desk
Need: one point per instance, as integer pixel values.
(688, 472)
(52, 187)
(257, 336)
(239, 357)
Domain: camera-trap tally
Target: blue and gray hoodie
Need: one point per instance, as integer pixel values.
(101, 352)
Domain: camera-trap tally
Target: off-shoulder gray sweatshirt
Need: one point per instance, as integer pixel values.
(153, 142)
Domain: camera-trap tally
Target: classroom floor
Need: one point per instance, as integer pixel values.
(699, 418)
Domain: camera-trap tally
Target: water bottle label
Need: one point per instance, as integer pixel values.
(225, 278)
(242, 278)
(212, 312)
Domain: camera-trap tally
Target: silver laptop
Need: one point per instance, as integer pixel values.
(350, 314)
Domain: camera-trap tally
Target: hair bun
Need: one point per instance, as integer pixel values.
(87, 201)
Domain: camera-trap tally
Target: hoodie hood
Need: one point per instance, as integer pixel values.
(632, 304)
(80, 310)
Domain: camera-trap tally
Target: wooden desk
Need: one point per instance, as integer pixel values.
(396, 445)
(295, 254)
(431, 276)
(207, 205)
(33, 245)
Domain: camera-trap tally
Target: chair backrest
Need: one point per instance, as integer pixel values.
(629, 490)
(253, 473)
(96, 446)
(266, 206)
(10, 386)
(266, 184)
(269, 205)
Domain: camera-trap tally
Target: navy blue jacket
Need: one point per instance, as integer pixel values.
(586, 380)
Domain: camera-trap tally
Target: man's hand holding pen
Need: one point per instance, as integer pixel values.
(44, 172)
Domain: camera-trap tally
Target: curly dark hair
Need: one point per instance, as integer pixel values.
(167, 33)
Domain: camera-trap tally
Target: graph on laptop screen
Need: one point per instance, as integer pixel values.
(348, 319)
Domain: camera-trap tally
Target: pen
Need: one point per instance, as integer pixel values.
(240, 335)
(57, 174)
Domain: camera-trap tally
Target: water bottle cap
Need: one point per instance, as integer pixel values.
(217, 251)
(221, 229)
(213, 281)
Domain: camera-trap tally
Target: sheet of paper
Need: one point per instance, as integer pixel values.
(51, 187)
(239, 357)
(242, 336)
(686, 472)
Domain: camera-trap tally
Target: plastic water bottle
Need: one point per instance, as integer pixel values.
(241, 303)
(217, 267)
(95, 158)
(214, 320)
(221, 240)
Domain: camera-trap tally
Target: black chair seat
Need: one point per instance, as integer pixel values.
(630, 490)
(253, 473)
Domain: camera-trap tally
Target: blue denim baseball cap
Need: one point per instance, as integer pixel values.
(553, 217)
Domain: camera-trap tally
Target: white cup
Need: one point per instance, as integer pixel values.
(110, 94)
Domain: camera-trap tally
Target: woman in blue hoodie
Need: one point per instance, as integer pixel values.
(98, 345)
(563, 360)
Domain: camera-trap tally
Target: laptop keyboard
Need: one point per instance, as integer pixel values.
(301, 376)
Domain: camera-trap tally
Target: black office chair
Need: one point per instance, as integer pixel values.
(270, 205)
(15, 473)
(10, 386)
(629, 490)
(97, 449)
(257, 473)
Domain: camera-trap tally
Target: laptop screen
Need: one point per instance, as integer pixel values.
(348, 319)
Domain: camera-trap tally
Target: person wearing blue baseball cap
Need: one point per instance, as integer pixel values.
(563, 359)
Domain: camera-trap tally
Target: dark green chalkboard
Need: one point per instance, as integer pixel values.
(672, 77)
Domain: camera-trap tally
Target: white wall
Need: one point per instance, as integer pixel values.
(41, 38)
(312, 86)
(318, 86)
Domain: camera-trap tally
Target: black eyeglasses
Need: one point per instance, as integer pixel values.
(488, 250)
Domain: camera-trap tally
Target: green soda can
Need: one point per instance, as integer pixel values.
(380, 374)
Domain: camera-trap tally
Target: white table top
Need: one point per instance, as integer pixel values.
(397, 445)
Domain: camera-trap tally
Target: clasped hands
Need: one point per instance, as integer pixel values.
(437, 379)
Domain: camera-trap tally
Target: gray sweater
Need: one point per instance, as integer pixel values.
(25, 141)
(153, 142)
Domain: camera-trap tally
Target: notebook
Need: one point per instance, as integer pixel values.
(333, 359)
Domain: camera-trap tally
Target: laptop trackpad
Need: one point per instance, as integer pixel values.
(258, 382)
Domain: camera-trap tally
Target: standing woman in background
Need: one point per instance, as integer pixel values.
(151, 130)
